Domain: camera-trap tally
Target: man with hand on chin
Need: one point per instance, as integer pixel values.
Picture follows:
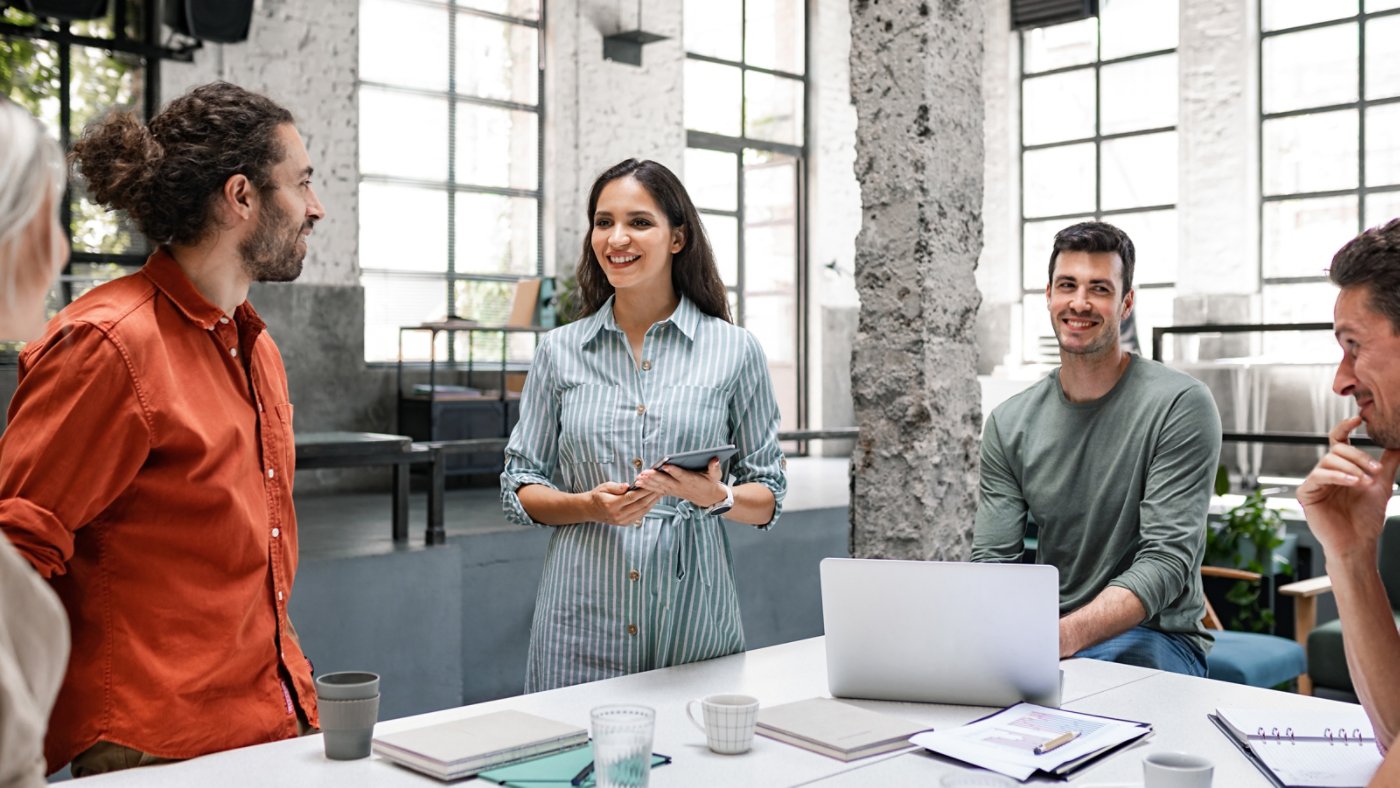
(1113, 456)
(1345, 496)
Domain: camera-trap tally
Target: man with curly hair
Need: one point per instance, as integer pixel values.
(147, 467)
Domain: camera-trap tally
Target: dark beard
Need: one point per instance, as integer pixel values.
(268, 254)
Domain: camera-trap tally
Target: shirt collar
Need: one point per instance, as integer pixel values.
(686, 318)
(168, 277)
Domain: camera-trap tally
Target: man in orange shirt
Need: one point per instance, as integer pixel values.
(147, 466)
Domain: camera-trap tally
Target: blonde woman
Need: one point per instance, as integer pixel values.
(33, 628)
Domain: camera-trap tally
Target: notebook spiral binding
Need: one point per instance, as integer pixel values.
(1339, 737)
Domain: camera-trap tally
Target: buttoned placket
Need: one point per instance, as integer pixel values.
(268, 436)
(639, 438)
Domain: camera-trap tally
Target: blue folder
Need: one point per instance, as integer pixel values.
(556, 769)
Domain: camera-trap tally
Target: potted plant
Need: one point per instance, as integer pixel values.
(1246, 539)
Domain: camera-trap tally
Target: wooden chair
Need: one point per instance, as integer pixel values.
(1327, 665)
(1257, 659)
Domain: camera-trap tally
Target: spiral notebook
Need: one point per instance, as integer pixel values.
(1309, 749)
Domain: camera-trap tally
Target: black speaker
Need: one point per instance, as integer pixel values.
(66, 9)
(1026, 14)
(220, 21)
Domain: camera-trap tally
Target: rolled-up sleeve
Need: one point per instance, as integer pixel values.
(532, 453)
(76, 390)
(1175, 501)
(754, 420)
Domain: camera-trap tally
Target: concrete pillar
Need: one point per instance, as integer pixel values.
(1218, 143)
(916, 69)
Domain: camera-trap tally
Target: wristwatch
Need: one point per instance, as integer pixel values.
(726, 504)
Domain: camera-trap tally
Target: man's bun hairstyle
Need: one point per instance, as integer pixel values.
(165, 176)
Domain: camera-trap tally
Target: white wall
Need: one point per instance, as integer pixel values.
(601, 112)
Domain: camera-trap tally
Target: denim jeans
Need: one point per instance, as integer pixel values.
(1150, 648)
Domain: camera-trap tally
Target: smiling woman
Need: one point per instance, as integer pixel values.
(640, 577)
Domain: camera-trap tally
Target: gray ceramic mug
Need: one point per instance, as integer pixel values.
(348, 704)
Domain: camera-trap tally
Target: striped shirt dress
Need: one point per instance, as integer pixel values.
(613, 599)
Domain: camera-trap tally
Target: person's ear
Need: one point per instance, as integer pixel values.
(1128, 301)
(677, 240)
(239, 196)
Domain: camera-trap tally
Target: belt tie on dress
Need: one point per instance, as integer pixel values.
(685, 536)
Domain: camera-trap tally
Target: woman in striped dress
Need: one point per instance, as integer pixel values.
(637, 579)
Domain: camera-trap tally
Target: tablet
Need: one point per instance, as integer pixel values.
(697, 460)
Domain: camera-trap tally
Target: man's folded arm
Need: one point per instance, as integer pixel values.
(78, 433)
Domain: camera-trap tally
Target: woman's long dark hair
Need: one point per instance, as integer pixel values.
(693, 271)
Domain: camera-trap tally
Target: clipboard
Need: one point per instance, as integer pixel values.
(552, 770)
(949, 744)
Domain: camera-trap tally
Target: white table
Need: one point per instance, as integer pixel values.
(1176, 705)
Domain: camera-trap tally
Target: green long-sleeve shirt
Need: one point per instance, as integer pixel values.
(1118, 487)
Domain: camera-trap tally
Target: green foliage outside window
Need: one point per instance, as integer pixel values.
(100, 80)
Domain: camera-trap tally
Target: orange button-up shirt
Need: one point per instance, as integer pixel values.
(147, 470)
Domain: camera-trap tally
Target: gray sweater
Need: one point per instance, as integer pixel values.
(1118, 488)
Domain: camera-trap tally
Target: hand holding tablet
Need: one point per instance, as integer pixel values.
(697, 460)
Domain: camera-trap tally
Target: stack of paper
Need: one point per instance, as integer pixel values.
(461, 748)
(1010, 741)
(837, 729)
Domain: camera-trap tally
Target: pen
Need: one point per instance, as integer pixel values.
(582, 774)
(1058, 741)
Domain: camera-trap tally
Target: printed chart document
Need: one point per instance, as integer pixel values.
(1008, 740)
(1308, 749)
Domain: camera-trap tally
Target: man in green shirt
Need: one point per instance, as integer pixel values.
(1113, 457)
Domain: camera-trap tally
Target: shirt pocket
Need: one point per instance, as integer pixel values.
(697, 417)
(587, 418)
(286, 439)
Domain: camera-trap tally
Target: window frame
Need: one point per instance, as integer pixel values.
(1361, 191)
(737, 145)
(450, 185)
(1098, 138)
(59, 32)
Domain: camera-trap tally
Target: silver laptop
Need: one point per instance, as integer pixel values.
(932, 632)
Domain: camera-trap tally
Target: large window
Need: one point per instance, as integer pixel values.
(67, 74)
(745, 115)
(450, 176)
(1098, 141)
(1329, 143)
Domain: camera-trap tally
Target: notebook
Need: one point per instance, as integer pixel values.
(888, 626)
(1335, 748)
(836, 729)
(461, 748)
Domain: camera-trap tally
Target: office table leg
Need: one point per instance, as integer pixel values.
(437, 484)
(401, 478)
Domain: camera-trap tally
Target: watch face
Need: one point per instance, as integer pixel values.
(720, 508)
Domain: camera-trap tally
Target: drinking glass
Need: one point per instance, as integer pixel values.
(622, 745)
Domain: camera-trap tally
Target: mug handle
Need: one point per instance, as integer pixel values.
(690, 713)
